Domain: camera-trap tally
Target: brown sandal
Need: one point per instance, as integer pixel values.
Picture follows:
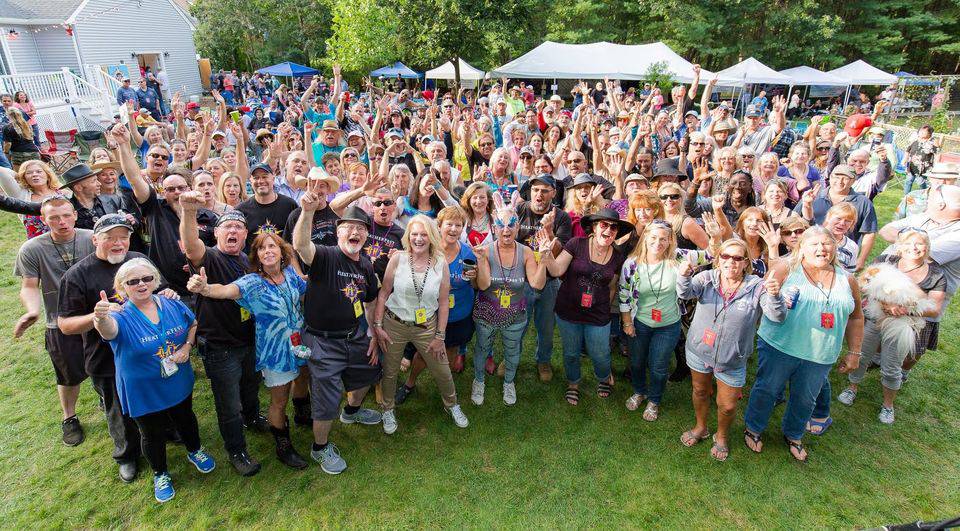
(757, 440)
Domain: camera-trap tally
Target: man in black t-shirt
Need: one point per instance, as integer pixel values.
(341, 287)
(536, 214)
(225, 331)
(266, 211)
(385, 235)
(324, 228)
(79, 292)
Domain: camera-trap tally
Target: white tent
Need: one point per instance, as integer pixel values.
(553, 60)
(752, 71)
(805, 75)
(861, 72)
(446, 71)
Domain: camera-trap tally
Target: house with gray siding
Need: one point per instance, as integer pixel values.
(64, 53)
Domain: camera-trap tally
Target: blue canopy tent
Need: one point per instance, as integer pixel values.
(395, 69)
(288, 69)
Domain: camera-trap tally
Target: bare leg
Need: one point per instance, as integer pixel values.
(355, 398)
(702, 389)
(726, 410)
(301, 386)
(888, 396)
(68, 399)
(277, 414)
(321, 430)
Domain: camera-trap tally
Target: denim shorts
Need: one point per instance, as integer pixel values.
(732, 377)
(276, 379)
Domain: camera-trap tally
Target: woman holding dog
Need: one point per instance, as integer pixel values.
(912, 258)
(824, 312)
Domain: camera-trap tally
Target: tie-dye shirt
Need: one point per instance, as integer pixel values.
(277, 312)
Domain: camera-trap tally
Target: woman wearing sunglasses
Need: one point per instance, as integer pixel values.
(729, 300)
(505, 268)
(690, 235)
(151, 338)
(790, 231)
(588, 268)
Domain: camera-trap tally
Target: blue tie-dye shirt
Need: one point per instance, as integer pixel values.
(277, 313)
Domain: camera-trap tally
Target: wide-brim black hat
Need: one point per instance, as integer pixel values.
(357, 215)
(76, 174)
(668, 168)
(606, 214)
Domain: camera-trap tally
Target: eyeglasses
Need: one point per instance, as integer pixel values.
(181, 188)
(158, 156)
(500, 224)
(823, 149)
(671, 197)
(383, 203)
(526, 156)
(734, 257)
(351, 156)
(746, 156)
(602, 111)
(448, 106)
(605, 225)
(794, 232)
(134, 281)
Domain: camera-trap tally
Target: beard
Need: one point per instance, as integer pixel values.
(116, 258)
(352, 249)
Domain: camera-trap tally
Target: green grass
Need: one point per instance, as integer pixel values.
(539, 464)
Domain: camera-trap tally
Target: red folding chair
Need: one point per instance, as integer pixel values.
(62, 150)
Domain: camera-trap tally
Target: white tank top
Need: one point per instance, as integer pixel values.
(404, 301)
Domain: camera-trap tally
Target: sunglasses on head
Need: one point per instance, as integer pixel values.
(134, 281)
(672, 197)
(383, 202)
(734, 257)
(794, 232)
(661, 223)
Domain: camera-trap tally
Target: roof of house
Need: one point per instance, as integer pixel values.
(34, 11)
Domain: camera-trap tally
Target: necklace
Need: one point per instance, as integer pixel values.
(912, 269)
(593, 250)
(419, 285)
(67, 259)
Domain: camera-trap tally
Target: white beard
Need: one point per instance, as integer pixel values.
(116, 258)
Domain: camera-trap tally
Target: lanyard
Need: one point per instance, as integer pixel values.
(419, 286)
(727, 300)
(659, 282)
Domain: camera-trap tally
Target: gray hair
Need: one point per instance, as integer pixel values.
(859, 151)
(123, 274)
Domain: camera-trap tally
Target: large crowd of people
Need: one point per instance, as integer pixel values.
(324, 241)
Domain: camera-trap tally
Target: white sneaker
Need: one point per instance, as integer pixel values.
(476, 393)
(389, 422)
(509, 394)
(847, 397)
(633, 403)
(458, 417)
(886, 415)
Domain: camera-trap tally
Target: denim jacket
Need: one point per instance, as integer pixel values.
(732, 329)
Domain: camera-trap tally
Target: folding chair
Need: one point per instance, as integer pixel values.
(62, 151)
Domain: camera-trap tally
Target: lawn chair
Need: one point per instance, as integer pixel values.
(87, 140)
(62, 151)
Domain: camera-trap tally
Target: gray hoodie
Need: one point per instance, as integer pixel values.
(732, 330)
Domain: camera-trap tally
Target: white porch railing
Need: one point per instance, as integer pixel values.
(64, 100)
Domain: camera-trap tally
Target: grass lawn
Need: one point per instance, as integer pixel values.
(538, 464)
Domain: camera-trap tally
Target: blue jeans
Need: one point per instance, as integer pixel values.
(234, 381)
(921, 181)
(774, 370)
(651, 348)
(540, 305)
(511, 335)
(596, 339)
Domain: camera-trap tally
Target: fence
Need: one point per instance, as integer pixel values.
(63, 100)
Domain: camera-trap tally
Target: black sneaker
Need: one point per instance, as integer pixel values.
(101, 406)
(258, 424)
(128, 471)
(403, 392)
(244, 464)
(72, 431)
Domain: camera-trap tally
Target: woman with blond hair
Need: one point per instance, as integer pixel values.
(34, 181)
(800, 168)
(18, 139)
(584, 197)
(690, 235)
(230, 190)
(412, 307)
(730, 300)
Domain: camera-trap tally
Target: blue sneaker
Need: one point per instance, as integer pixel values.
(202, 460)
(363, 416)
(163, 487)
(329, 459)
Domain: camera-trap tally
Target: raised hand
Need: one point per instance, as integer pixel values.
(684, 268)
(811, 194)
(103, 307)
(718, 201)
(373, 183)
(596, 193)
(310, 201)
(198, 283)
(191, 200)
(769, 234)
(121, 135)
(772, 285)
(710, 225)
(482, 252)
(700, 170)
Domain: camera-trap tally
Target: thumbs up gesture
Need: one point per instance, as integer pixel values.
(103, 307)
(198, 283)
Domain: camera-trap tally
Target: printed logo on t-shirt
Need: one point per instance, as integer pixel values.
(378, 246)
(352, 290)
(167, 349)
(267, 228)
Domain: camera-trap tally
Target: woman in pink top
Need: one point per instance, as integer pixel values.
(22, 102)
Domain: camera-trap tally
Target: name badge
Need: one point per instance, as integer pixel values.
(586, 300)
(453, 300)
(826, 320)
(420, 315)
(505, 300)
(357, 309)
(709, 337)
(656, 315)
(245, 314)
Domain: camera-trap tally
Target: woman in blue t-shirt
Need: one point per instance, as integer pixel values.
(151, 337)
(272, 293)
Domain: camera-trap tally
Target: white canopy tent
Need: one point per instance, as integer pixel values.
(553, 60)
(805, 76)
(861, 72)
(469, 75)
(752, 71)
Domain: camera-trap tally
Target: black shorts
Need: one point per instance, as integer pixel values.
(66, 353)
(460, 332)
(927, 339)
(336, 366)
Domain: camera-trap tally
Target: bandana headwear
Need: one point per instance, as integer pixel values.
(233, 215)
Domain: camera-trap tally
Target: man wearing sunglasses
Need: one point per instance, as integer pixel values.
(79, 292)
(161, 217)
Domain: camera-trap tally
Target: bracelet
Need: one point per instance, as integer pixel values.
(859, 354)
(441, 337)
(377, 324)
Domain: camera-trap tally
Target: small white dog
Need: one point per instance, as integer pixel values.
(884, 285)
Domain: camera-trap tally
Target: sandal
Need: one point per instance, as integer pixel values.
(756, 439)
(572, 395)
(689, 438)
(798, 446)
(718, 450)
(604, 389)
(652, 412)
(822, 425)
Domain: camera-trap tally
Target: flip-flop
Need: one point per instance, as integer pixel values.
(604, 389)
(572, 395)
(718, 448)
(823, 425)
(755, 439)
(798, 446)
(689, 438)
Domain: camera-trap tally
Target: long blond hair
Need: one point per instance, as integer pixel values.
(16, 119)
(676, 220)
(639, 252)
(433, 234)
(574, 204)
(52, 181)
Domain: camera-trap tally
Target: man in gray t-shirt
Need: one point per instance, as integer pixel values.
(41, 262)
